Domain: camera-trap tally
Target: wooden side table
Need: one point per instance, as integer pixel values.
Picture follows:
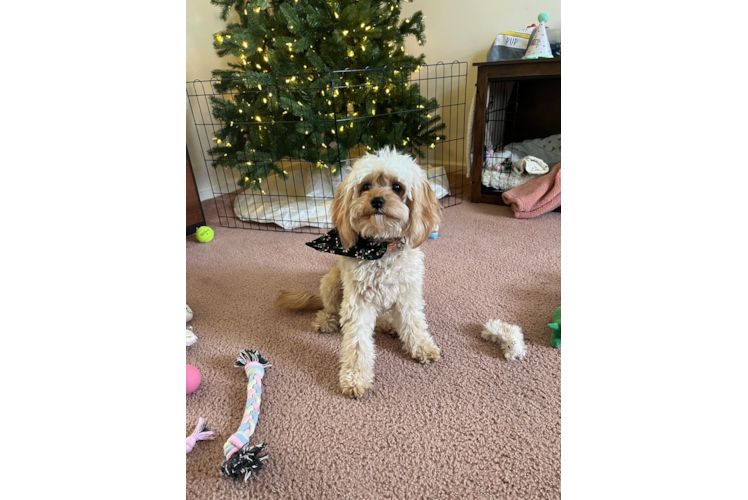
(538, 111)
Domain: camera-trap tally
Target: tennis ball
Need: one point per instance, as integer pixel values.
(204, 234)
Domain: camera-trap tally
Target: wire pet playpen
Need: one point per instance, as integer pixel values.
(283, 174)
(522, 120)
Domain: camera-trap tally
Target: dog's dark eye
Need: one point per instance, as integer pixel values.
(366, 187)
(397, 188)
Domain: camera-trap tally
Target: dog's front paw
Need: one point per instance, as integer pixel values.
(424, 351)
(326, 322)
(354, 384)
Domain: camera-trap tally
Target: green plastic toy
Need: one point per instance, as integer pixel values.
(556, 328)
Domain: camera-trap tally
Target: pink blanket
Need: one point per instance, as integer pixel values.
(536, 196)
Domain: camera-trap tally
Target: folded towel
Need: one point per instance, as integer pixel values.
(536, 196)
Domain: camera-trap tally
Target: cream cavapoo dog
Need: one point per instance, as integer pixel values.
(385, 202)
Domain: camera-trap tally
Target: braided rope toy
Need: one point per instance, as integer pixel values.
(200, 433)
(240, 457)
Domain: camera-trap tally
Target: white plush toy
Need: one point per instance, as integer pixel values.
(191, 337)
(509, 337)
(531, 165)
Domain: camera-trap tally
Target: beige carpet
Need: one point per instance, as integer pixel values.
(470, 426)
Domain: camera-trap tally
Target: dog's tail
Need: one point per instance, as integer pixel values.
(299, 301)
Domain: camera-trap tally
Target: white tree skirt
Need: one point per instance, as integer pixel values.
(305, 198)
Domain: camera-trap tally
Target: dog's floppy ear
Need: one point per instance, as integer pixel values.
(341, 213)
(425, 213)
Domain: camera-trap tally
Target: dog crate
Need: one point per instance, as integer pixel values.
(517, 114)
(296, 194)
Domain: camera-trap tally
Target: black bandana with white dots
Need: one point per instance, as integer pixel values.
(364, 249)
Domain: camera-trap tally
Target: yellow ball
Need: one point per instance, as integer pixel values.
(204, 234)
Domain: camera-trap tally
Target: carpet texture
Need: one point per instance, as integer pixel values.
(472, 425)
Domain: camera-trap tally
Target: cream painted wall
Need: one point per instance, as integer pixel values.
(459, 30)
(202, 21)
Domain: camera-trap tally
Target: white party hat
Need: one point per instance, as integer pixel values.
(539, 46)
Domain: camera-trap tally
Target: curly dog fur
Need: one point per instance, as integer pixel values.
(361, 296)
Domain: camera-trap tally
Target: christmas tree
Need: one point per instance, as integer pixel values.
(299, 89)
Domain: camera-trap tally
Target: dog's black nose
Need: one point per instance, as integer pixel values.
(377, 202)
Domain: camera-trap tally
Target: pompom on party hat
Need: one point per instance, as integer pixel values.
(539, 45)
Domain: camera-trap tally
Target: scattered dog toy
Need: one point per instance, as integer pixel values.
(204, 234)
(201, 433)
(434, 233)
(191, 337)
(509, 337)
(242, 459)
(193, 379)
(556, 328)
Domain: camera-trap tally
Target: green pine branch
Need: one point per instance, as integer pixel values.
(283, 97)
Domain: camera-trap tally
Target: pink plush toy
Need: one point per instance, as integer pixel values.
(200, 433)
(193, 379)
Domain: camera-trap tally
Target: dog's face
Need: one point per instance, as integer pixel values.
(385, 197)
